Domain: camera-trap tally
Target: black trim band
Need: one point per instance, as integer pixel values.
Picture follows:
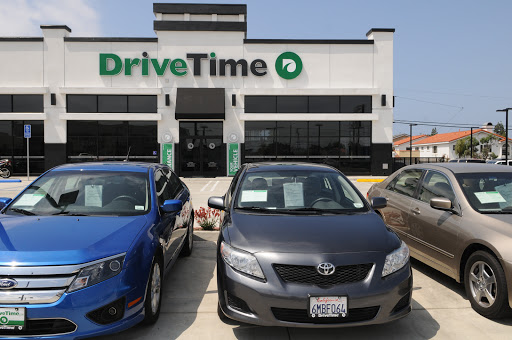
(199, 8)
(103, 39)
(392, 30)
(200, 26)
(301, 41)
(55, 27)
(21, 39)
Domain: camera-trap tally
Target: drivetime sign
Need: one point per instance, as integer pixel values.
(288, 65)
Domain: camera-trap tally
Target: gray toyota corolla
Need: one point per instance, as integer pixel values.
(300, 246)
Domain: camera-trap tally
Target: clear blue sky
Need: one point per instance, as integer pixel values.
(452, 52)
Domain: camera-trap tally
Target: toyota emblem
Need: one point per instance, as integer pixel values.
(325, 268)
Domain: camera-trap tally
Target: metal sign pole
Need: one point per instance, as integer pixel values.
(28, 161)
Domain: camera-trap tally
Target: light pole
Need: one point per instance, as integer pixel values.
(410, 142)
(506, 132)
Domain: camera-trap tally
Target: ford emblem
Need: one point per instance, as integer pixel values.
(8, 283)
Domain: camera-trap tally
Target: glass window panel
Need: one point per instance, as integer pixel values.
(324, 129)
(436, 185)
(6, 138)
(112, 146)
(37, 127)
(260, 104)
(187, 129)
(292, 104)
(260, 146)
(142, 104)
(84, 146)
(296, 129)
(260, 129)
(27, 103)
(5, 103)
(110, 103)
(319, 146)
(355, 104)
(327, 104)
(407, 182)
(82, 103)
(356, 128)
(143, 128)
(112, 128)
(209, 128)
(299, 146)
(143, 146)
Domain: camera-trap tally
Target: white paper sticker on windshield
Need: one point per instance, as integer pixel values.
(489, 197)
(293, 195)
(254, 195)
(93, 195)
(29, 199)
(139, 207)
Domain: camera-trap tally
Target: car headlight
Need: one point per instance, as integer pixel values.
(241, 260)
(97, 272)
(396, 260)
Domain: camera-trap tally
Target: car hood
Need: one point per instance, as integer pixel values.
(64, 240)
(359, 232)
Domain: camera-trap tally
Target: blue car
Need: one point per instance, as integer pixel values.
(84, 249)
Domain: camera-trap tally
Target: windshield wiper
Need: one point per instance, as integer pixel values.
(22, 211)
(256, 209)
(69, 213)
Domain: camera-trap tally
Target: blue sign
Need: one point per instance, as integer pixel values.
(27, 131)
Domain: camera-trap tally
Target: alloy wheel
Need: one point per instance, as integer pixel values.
(155, 288)
(482, 283)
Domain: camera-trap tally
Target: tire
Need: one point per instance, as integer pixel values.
(484, 280)
(153, 299)
(189, 243)
(5, 172)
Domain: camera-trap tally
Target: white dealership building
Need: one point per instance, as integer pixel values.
(199, 96)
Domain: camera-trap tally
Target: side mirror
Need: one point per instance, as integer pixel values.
(379, 202)
(171, 206)
(4, 201)
(216, 202)
(441, 203)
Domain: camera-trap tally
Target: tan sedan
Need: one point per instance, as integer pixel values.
(457, 218)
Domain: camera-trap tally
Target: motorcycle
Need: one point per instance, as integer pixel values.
(5, 168)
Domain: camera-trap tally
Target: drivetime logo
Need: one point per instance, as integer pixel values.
(288, 65)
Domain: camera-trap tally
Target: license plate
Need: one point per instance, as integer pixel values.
(12, 318)
(328, 306)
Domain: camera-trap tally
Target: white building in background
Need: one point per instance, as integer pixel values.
(199, 96)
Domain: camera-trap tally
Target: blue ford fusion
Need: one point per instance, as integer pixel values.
(84, 249)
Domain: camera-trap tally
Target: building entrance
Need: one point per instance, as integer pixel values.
(202, 153)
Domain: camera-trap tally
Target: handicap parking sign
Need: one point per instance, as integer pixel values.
(27, 131)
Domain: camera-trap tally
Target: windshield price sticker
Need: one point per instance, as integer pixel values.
(328, 306)
(489, 197)
(93, 195)
(12, 318)
(254, 195)
(293, 195)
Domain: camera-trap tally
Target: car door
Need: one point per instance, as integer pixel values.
(435, 231)
(399, 194)
(171, 223)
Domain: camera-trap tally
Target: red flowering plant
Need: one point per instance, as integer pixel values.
(207, 218)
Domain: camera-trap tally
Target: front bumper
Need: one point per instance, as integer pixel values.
(274, 302)
(76, 305)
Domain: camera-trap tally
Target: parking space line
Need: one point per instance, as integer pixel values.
(206, 185)
(213, 187)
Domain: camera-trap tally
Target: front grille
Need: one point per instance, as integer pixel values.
(309, 274)
(238, 304)
(42, 327)
(301, 315)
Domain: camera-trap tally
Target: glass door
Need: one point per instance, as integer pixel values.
(202, 152)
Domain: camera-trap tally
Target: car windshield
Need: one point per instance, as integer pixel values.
(79, 193)
(294, 191)
(488, 192)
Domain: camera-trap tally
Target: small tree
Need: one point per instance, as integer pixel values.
(499, 129)
(493, 155)
(487, 143)
(463, 147)
(434, 132)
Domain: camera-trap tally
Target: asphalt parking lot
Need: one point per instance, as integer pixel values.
(189, 305)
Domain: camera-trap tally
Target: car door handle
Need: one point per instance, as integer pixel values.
(416, 211)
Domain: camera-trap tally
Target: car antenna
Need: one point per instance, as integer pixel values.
(128, 155)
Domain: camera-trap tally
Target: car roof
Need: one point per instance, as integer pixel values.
(463, 167)
(276, 166)
(108, 166)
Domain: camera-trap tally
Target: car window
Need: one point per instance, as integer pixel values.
(488, 192)
(407, 182)
(392, 183)
(435, 185)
